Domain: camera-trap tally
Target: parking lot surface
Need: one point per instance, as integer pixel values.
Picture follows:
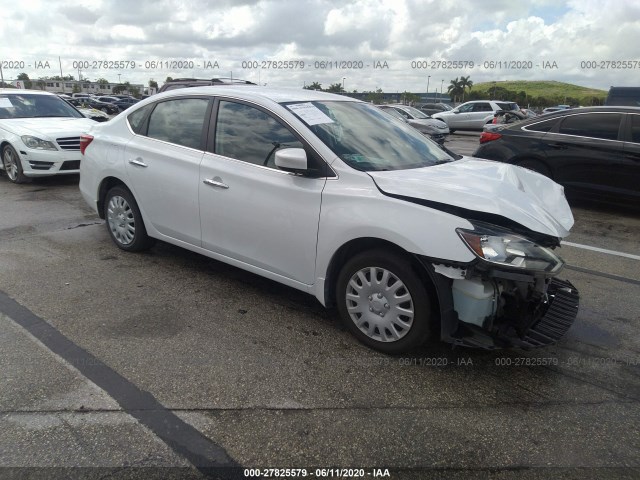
(175, 364)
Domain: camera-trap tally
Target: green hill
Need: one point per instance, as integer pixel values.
(539, 93)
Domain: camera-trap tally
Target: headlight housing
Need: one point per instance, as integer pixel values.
(503, 248)
(37, 143)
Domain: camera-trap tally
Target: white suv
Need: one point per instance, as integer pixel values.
(473, 115)
(334, 197)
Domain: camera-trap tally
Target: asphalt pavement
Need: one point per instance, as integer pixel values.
(168, 364)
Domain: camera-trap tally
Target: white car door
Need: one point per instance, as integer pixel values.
(250, 210)
(163, 166)
(459, 117)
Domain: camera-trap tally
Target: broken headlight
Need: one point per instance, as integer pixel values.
(504, 248)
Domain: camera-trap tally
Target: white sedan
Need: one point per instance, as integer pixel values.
(334, 197)
(39, 135)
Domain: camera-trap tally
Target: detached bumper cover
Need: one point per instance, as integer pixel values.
(563, 309)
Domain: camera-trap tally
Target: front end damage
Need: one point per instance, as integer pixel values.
(487, 305)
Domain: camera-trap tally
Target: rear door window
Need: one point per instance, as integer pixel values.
(594, 125)
(179, 121)
(545, 126)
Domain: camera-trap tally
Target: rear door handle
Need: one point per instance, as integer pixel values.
(559, 146)
(138, 162)
(215, 182)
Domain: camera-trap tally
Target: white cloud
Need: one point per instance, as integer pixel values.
(397, 31)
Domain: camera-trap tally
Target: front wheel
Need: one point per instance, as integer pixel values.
(124, 221)
(12, 165)
(383, 302)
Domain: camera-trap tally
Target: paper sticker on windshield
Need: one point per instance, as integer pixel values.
(308, 112)
(5, 103)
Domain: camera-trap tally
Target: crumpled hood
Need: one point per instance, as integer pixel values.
(519, 194)
(54, 127)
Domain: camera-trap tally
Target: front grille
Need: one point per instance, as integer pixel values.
(70, 165)
(69, 143)
(563, 309)
(36, 165)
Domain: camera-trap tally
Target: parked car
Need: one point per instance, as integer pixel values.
(473, 115)
(431, 108)
(332, 196)
(39, 134)
(108, 108)
(555, 109)
(502, 118)
(437, 130)
(125, 103)
(201, 82)
(91, 113)
(107, 98)
(623, 96)
(591, 151)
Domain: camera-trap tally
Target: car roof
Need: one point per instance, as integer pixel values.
(565, 112)
(23, 91)
(248, 92)
(495, 101)
(572, 111)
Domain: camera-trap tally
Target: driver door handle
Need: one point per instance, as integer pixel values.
(138, 162)
(215, 182)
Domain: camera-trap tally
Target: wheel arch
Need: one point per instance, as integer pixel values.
(107, 184)
(358, 245)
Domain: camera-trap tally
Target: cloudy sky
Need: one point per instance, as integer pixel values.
(227, 38)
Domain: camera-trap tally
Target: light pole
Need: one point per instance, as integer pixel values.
(343, 79)
(119, 78)
(441, 87)
(428, 78)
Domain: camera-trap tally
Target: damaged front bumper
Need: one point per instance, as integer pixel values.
(492, 308)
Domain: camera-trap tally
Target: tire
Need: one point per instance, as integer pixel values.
(392, 313)
(12, 165)
(124, 221)
(536, 166)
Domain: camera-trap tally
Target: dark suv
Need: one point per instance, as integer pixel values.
(200, 82)
(593, 151)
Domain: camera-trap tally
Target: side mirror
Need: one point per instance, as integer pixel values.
(455, 110)
(292, 160)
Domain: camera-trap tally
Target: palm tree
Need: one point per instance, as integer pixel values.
(314, 86)
(454, 89)
(464, 83)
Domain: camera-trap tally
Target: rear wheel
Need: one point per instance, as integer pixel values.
(383, 302)
(124, 221)
(12, 165)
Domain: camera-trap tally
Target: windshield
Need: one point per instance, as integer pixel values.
(25, 105)
(415, 112)
(366, 138)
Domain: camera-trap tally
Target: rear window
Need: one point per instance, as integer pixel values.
(544, 126)
(594, 125)
(507, 106)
